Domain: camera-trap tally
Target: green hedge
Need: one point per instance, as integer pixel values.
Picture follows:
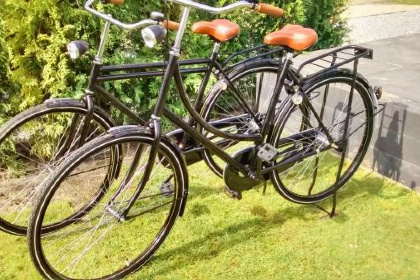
(34, 65)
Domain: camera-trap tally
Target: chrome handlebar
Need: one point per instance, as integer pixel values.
(213, 10)
(185, 3)
(110, 19)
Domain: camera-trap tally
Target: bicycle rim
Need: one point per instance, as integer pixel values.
(99, 245)
(31, 147)
(322, 170)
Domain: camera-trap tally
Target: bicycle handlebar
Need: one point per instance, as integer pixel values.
(259, 7)
(171, 25)
(213, 10)
(115, 2)
(269, 10)
(110, 19)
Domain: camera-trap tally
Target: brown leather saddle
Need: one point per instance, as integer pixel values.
(295, 37)
(220, 30)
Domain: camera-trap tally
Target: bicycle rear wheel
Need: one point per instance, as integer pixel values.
(99, 244)
(31, 145)
(255, 82)
(315, 170)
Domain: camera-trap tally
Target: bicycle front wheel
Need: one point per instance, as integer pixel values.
(100, 244)
(314, 169)
(31, 145)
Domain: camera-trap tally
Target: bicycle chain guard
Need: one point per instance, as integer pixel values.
(237, 182)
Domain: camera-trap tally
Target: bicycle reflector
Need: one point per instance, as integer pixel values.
(77, 48)
(153, 35)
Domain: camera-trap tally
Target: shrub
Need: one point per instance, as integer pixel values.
(35, 66)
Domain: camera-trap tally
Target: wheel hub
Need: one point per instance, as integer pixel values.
(321, 141)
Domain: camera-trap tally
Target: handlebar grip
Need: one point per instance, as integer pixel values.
(115, 2)
(171, 25)
(269, 10)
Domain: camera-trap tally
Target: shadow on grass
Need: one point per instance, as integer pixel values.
(215, 242)
(360, 190)
(197, 250)
(201, 191)
(211, 245)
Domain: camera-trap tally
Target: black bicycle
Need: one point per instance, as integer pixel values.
(110, 204)
(35, 141)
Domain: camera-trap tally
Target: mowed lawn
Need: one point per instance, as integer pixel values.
(376, 235)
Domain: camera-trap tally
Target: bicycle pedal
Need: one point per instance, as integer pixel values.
(267, 152)
(232, 194)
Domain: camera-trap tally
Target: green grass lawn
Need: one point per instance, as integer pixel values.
(375, 236)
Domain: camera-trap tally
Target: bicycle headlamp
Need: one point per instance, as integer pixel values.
(77, 48)
(153, 35)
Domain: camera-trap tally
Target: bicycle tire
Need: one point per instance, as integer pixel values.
(98, 260)
(21, 185)
(313, 184)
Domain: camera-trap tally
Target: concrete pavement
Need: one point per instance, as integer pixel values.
(372, 9)
(393, 32)
(382, 26)
(396, 66)
(395, 147)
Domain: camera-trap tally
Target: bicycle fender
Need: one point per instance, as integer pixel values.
(347, 73)
(121, 131)
(53, 102)
(62, 102)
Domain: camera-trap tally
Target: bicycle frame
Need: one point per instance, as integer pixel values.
(173, 71)
(254, 170)
(206, 66)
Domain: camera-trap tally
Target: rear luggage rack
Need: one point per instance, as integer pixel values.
(335, 59)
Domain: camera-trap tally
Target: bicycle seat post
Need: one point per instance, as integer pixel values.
(277, 90)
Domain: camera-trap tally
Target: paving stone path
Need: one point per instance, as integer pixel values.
(375, 27)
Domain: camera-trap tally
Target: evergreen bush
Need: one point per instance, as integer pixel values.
(34, 65)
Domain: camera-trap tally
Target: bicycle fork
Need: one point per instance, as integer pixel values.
(155, 127)
(134, 168)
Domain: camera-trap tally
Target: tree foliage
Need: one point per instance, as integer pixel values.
(34, 64)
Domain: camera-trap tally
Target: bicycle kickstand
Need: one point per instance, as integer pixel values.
(331, 213)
